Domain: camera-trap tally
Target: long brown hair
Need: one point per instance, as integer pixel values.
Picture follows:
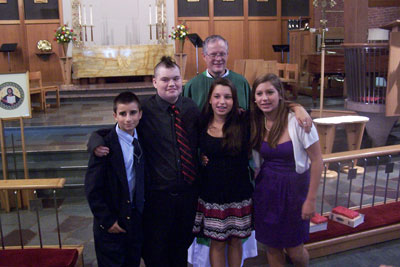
(257, 118)
(233, 129)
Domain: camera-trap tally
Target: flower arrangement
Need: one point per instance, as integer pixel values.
(64, 34)
(179, 32)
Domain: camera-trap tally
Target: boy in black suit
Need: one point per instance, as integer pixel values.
(114, 187)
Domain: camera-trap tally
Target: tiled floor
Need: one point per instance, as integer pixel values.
(68, 128)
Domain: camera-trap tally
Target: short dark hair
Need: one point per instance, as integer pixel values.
(126, 98)
(166, 62)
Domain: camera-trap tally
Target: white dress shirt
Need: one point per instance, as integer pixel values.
(126, 142)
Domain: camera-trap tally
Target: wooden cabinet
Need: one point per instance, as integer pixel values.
(25, 23)
(301, 44)
(251, 27)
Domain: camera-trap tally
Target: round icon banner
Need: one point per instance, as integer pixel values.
(11, 95)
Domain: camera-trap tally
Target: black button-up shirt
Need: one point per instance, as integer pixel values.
(157, 133)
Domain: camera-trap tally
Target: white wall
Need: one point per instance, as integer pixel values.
(121, 22)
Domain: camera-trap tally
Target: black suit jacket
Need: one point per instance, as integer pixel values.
(106, 186)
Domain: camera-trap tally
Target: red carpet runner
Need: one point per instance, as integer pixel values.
(375, 217)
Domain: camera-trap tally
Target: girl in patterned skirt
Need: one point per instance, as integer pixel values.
(224, 212)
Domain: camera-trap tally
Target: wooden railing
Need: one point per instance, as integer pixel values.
(16, 186)
(377, 166)
(361, 153)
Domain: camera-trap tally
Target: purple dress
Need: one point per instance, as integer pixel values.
(278, 198)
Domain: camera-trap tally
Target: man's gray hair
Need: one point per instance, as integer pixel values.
(212, 39)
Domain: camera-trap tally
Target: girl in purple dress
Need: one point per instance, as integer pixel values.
(286, 184)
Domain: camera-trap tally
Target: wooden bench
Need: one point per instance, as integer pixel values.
(253, 68)
(289, 75)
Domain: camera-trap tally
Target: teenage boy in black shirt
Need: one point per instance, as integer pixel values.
(171, 197)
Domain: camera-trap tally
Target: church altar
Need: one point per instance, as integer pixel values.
(110, 61)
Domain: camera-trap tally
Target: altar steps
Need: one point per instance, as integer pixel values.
(52, 152)
(103, 91)
(67, 164)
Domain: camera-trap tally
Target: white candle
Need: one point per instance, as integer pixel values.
(156, 14)
(79, 15)
(150, 14)
(84, 15)
(162, 13)
(91, 15)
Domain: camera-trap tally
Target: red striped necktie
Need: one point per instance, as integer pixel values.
(186, 156)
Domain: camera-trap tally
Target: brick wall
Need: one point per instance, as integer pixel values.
(377, 16)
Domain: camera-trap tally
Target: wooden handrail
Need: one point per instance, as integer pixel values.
(361, 153)
(367, 45)
(33, 184)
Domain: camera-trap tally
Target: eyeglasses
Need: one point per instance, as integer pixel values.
(215, 55)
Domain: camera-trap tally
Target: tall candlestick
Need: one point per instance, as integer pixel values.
(151, 33)
(79, 15)
(162, 13)
(91, 14)
(150, 14)
(84, 15)
(91, 32)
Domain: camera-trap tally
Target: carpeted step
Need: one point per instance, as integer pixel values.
(375, 217)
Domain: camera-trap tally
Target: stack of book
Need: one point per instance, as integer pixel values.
(346, 216)
(318, 223)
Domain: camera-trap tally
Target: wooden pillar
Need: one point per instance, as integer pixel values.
(356, 21)
(393, 86)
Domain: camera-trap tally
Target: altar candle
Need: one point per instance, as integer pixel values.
(162, 13)
(150, 14)
(79, 15)
(156, 14)
(91, 15)
(84, 15)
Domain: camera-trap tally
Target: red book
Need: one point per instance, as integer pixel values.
(317, 219)
(345, 212)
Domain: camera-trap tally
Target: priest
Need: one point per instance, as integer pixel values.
(215, 54)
